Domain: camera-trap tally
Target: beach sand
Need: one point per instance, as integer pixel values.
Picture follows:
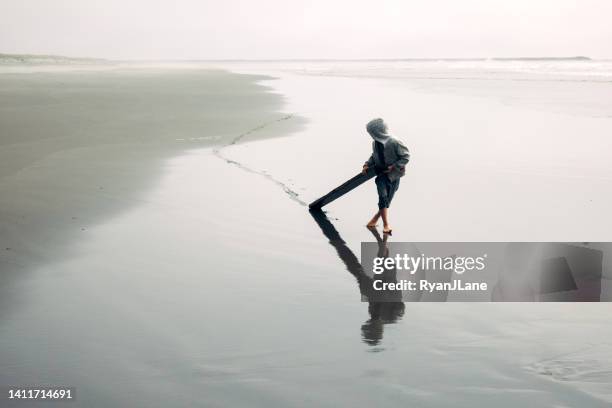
(78, 146)
(193, 275)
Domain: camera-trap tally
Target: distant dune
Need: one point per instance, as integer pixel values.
(9, 59)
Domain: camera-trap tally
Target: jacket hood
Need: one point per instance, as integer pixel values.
(377, 128)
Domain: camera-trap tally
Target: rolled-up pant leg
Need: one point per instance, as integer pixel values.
(386, 190)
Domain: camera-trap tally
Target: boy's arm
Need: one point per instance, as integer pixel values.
(402, 152)
(370, 162)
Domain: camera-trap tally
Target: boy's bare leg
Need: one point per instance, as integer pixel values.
(384, 213)
(374, 220)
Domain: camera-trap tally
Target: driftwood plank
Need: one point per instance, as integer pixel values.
(342, 189)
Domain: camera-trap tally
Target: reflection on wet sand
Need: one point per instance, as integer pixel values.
(382, 311)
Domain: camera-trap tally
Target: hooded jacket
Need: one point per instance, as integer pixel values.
(395, 151)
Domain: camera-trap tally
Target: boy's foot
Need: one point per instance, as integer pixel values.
(371, 225)
(387, 230)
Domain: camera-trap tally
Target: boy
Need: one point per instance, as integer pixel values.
(389, 158)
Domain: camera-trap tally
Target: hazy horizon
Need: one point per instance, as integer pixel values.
(364, 59)
(316, 29)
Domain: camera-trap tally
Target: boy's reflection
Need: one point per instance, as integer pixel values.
(384, 307)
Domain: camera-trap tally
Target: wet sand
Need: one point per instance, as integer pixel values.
(213, 286)
(78, 146)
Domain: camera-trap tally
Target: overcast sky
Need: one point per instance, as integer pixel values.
(206, 29)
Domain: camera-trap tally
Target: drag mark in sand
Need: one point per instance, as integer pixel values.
(217, 152)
